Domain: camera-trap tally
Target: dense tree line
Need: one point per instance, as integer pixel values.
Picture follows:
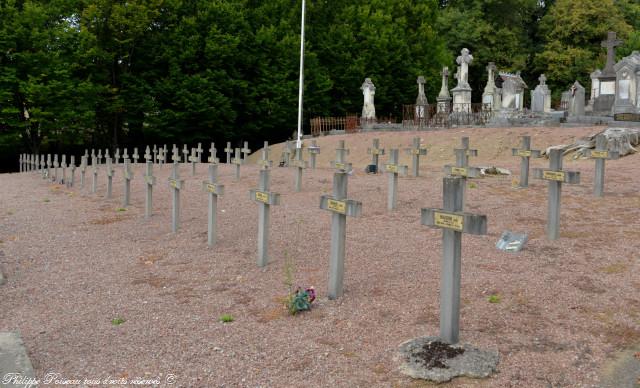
(78, 73)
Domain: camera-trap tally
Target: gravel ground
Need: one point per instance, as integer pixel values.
(74, 263)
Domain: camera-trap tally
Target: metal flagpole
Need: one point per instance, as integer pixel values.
(301, 86)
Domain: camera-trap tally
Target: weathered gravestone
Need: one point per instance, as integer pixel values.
(525, 152)
(149, 180)
(238, 162)
(341, 157)
(176, 184)
(109, 173)
(265, 199)
(577, 100)
(299, 165)
(462, 169)
(555, 176)
(416, 151)
(340, 207)
(228, 150)
(600, 154)
(393, 168)
(128, 176)
(313, 151)
(214, 189)
(375, 151)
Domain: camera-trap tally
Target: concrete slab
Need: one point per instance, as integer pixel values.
(15, 367)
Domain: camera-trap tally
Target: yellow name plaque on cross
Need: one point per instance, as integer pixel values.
(449, 221)
(337, 206)
(212, 188)
(340, 166)
(173, 183)
(392, 168)
(416, 151)
(600, 154)
(553, 175)
(375, 151)
(524, 153)
(262, 197)
(148, 179)
(459, 171)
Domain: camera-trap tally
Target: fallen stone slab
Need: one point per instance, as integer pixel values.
(429, 359)
(15, 367)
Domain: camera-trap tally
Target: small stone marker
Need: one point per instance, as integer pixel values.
(185, 152)
(214, 189)
(393, 168)
(245, 151)
(238, 162)
(128, 176)
(228, 150)
(525, 152)
(83, 169)
(149, 180)
(193, 159)
(109, 173)
(265, 163)
(265, 199)
(176, 184)
(600, 154)
(94, 182)
(135, 155)
(462, 168)
(416, 151)
(72, 165)
(453, 222)
(556, 176)
(313, 151)
(375, 151)
(300, 165)
(340, 163)
(340, 207)
(213, 154)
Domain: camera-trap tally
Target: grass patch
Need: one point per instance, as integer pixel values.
(117, 321)
(494, 298)
(473, 185)
(226, 318)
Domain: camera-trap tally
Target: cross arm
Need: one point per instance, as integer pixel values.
(416, 151)
(396, 168)
(469, 172)
(375, 151)
(570, 177)
(595, 154)
(176, 183)
(341, 166)
(525, 153)
(468, 151)
(348, 207)
(458, 221)
(265, 197)
(214, 188)
(150, 179)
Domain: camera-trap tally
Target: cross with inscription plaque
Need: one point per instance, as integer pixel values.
(109, 173)
(313, 151)
(416, 151)
(300, 165)
(393, 168)
(214, 189)
(238, 162)
(556, 177)
(600, 154)
(340, 163)
(462, 168)
(149, 180)
(94, 182)
(340, 207)
(213, 158)
(176, 184)
(265, 163)
(228, 150)
(265, 199)
(375, 151)
(453, 222)
(525, 152)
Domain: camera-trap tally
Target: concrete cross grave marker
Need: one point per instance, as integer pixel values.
(56, 165)
(340, 163)
(21, 162)
(393, 168)
(375, 151)
(265, 199)
(193, 159)
(600, 154)
(416, 151)
(265, 163)
(99, 156)
(125, 156)
(461, 167)
(94, 182)
(300, 165)
(313, 151)
(228, 150)
(49, 165)
(245, 151)
(340, 207)
(176, 184)
(116, 156)
(128, 176)
(72, 166)
(43, 166)
(453, 222)
(199, 151)
(155, 154)
(525, 152)
(213, 158)
(63, 167)
(556, 177)
(238, 162)
(185, 153)
(109, 173)
(287, 153)
(214, 189)
(135, 155)
(165, 154)
(83, 169)
(149, 180)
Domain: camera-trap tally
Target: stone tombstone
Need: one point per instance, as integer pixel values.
(565, 100)
(607, 79)
(462, 92)
(577, 100)
(512, 91)
(541, 97)
(421, 100)
(595, 87)
(444, 98)
(368, 107)
(627, 97)
(491, 94)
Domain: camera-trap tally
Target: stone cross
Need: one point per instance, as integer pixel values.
(185, 152)
(49, 165)
(394, 168)
(94, 182)
(43, 166)
(600, 154)
(125, 156)
(116, 156)
(265, 163)
(162, 156)
(462, 168)
(193, 159)
(313, 151)
(340, 163)
(199, 150)
(99, 156)
(340, 207)
(83, 169)
(525, 152)
(228, 150)
(453, 222)
(422, 98)
(149, 180)
(72, 166)
(214, 189)
(464, 60)
(128, 176)
(63, 167)
(56, 165)
(109, 173)
(245, 151)
(375, 151)
(287, 153)
(175, 151)
(610, 44)
(93, 153)
(555, 176)
(165, 154)
(21, 162)
(135, 155)
(300, 165)
(213, 159)
(416, 151)
(265, 199)
(238, 162)
(155, 154)
(542, 79)
(176, 184)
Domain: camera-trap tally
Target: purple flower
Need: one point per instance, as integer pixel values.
(312, 294)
